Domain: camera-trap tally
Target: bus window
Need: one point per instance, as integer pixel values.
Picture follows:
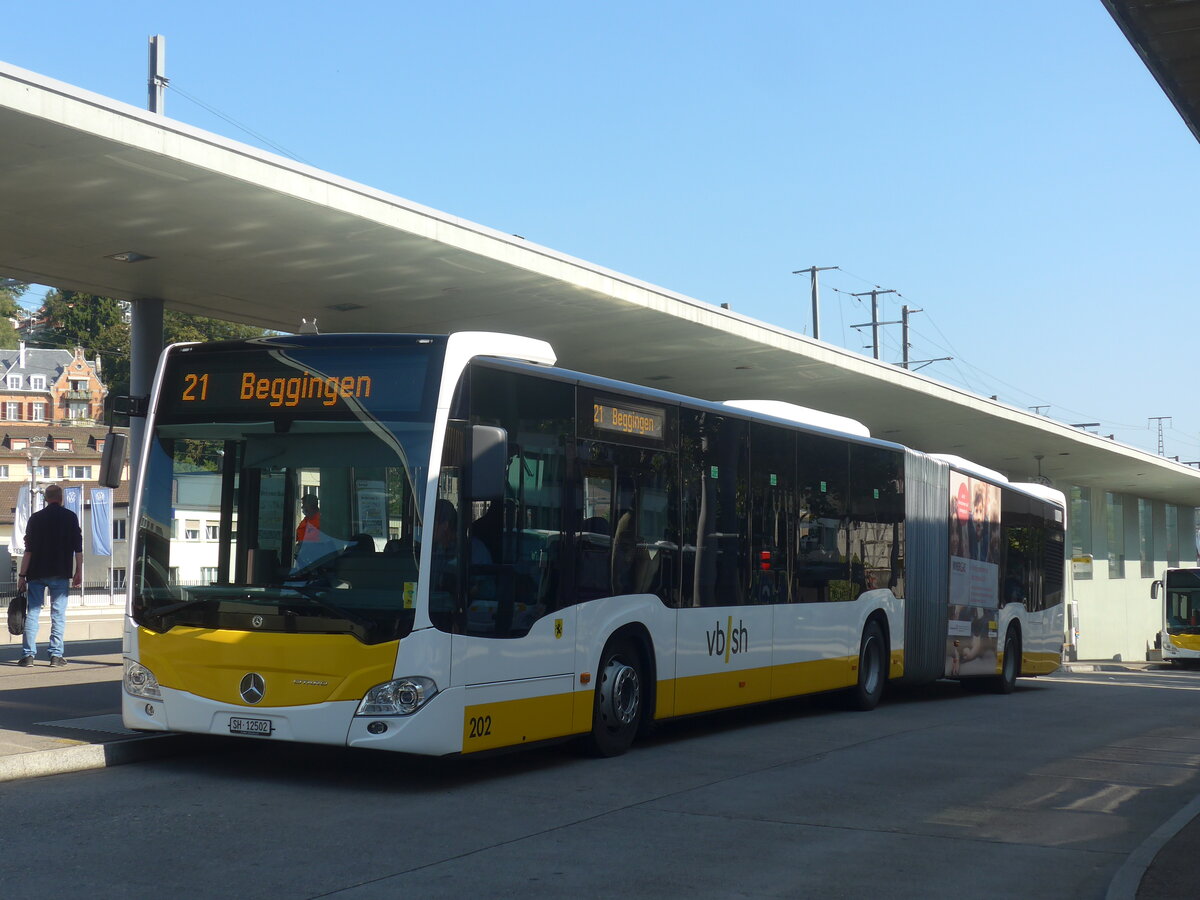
(513, 573)
(822, 568)
(772, 512)
(628, 537)
(714, 459)
(877, 518)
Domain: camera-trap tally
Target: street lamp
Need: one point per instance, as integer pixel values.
(35, 456)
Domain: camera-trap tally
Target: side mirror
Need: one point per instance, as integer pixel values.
(112, 459)
(1155, 587)
(127, 406)
(489, 463)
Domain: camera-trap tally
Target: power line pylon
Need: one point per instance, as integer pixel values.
(1160, 419)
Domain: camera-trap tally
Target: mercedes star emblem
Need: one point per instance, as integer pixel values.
(252, 688)
(257, 621)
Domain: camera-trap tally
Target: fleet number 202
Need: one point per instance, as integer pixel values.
(479, 726)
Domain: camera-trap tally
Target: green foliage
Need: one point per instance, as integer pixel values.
(10, 290)
(9, 339)
(98, 325)
(76, 320)
(178, 327)
(197, 456)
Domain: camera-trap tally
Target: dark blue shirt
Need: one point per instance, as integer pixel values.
(52, 538)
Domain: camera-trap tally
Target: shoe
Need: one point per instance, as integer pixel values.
(57, 661)
(25, 661)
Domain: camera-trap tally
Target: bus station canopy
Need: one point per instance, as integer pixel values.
(1166, 35)
(102, 197)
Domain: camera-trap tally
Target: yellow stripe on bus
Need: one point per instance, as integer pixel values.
(510, 723)
(298, 669)
(1186, 641)
(1040, 663)
(794, 679)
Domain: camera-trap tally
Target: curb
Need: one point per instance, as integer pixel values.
(1128, 879)
(81, 758)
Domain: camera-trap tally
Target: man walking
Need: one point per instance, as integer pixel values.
(53, 560)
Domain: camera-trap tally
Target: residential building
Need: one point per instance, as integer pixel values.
(53, 386)
(36, 454)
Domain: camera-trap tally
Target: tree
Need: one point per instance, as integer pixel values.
(95, 323)
(179, 326)
(98, 324)
(10, 290)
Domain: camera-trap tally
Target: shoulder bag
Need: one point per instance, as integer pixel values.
(16, 614)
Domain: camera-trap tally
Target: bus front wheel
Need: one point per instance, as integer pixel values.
(618, 705)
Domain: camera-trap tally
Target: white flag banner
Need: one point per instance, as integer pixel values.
(101, 521)
(73, 500)
(16, 544)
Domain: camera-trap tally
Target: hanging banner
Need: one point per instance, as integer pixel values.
(73, 500)
(16, 543)
(101, 521)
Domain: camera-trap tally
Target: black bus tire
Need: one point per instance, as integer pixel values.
(620, 700)
(872, 669)
(1010, 668)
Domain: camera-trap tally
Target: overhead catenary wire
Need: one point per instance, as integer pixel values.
(175, 88)
(971, 376)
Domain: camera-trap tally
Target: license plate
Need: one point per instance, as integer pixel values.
(249, 726)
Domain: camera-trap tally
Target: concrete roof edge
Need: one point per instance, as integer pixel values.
(11, 73)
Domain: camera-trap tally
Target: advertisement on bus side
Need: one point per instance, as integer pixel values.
(974, 576)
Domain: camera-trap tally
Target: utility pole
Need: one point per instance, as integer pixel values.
(157, 80)
(874, 323)
(907, 363)
(904, 311)
(812, 272)
(1160, 419)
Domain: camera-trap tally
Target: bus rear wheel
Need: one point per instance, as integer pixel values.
(872, 669)
(1006, 682)
(619, 702)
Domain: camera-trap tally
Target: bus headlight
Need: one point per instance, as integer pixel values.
(140, 681)
(401, 697)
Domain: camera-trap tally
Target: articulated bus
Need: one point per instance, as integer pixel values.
(446, 544)
(1178, 593)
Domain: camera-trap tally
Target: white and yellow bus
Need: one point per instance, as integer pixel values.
(1178, 594)
(446, 544)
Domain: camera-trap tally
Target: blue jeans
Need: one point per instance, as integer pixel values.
(58, 588)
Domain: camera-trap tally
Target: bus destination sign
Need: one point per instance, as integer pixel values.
(250, 387)
(642, 421)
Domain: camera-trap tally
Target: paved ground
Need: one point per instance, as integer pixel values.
(68, 719)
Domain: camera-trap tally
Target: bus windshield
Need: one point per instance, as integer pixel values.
(282, 489)
(1183, 601)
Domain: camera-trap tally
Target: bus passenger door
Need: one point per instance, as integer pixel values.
(513, 644)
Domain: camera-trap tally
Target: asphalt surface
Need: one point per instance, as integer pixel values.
(68, 719)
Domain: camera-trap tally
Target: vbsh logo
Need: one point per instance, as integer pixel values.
(728, 640)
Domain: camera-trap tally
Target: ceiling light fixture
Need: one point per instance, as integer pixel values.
(129, 256)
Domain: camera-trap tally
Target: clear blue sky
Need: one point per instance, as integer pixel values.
(1010, 167)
